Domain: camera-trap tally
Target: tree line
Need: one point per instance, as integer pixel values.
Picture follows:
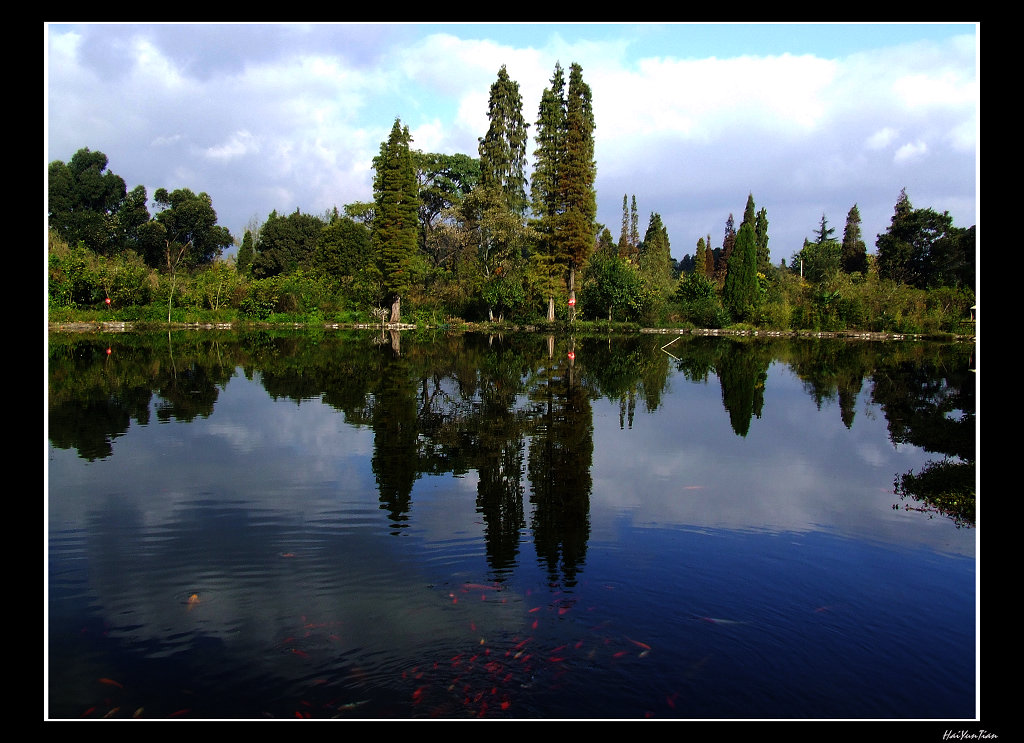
(458, 237)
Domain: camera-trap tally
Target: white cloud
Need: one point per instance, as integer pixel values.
(882, 138)
(911, 151)
(285, 117)
(241, 143)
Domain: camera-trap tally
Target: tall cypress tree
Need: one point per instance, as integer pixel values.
(634, 226)
(578, 173)
(728, 242)
(544, 195)
(855, 258)
(503, 148)
(764, 257)
(396, 201)
(624, 235)
(739, 294)
(656, 254)
(700, 261)
(749, 215)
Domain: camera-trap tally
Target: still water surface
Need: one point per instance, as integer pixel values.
(365, 526)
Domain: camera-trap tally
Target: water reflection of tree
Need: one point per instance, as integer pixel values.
(561, 451)
(929, 402)
(628, 369)
(742, 372)
(832, 369)
(513, 408)
(93, 395)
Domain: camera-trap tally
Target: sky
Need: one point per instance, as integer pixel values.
(691, 118)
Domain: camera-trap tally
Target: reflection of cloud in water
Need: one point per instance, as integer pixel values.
(797, 469)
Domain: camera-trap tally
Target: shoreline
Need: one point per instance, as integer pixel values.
(101, 326)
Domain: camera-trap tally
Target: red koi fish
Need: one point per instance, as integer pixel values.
(639, 644)
(110, 682)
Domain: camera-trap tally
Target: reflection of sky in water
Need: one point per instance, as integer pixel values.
(797, 468)
(269, 510)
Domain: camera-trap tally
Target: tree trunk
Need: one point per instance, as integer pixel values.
(396, 310)
(572, 294)
(551, 309)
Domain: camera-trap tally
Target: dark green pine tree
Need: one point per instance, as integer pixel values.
(740, 292)
(728, 243)
(503, 148)
(764, 256)
(895, 246)
(655, 255)
(824, 231)
(624, 235)
(577, 175)
(700, 261)
(396, 203)
(749, 215)
(634, 226)
(549, 135)
(854, 258)
(245, 250)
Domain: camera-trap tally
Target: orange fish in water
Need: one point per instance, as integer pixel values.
(111, 682)
(193, 601)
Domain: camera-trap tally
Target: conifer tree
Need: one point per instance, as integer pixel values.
(655, 254)
(749, 215)
(764, 256)
(245, 252)
(624, 235)
(549, 136)
(741, 285)
(578, 173)
(728, 241)
(634, 226)
(700, 261)
(395, 224)
(562, 188)
(855, 259)
(824, 231)
(503, 149)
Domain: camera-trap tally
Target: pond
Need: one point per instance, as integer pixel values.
(373, 525)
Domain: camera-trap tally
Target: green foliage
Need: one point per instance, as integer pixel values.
(260, 298)
(394, 236)
(614, 289)
(342, 247)
(655, 256)
(503, 147)
(243, 260)
(87, 203)
(73, 278)
(854, 254)
(699, 302)
(286, 244)
(127, 280)
(818, 261)
(922, 248)
(189, 221)
(740, 293)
